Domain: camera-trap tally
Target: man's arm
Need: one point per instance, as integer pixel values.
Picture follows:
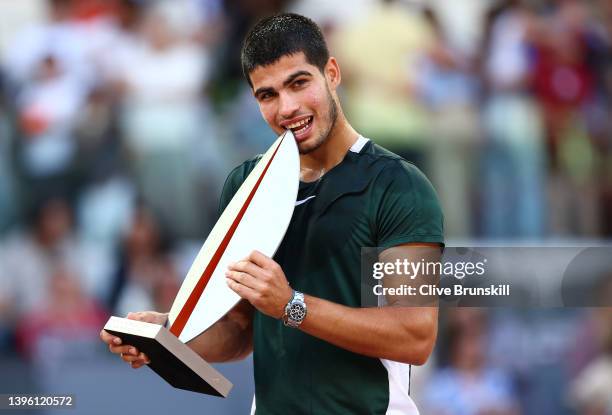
(231, 338)
(397, 332)
(404, 331)
(403, 334)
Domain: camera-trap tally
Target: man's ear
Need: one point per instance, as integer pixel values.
(332, 72)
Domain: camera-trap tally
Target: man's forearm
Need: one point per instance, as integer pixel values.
(231, 338)
(404, 334)
(223, 342)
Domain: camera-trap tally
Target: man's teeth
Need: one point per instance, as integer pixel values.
(301, 130)
(299, 123)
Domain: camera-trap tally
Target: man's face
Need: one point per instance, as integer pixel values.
(293, 94)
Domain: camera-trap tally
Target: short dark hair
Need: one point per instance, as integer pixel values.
(281, 35)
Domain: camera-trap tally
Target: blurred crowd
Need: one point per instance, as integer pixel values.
(496, 362)
(119, 120)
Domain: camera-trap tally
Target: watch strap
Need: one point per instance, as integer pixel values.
(295, 310)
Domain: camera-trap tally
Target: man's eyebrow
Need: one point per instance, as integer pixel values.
(294, 75)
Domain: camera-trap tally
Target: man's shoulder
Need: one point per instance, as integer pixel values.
(234, 180)
(241, 171)
(386, 165)
(379, 152)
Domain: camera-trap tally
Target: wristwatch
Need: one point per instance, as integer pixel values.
(295, 310)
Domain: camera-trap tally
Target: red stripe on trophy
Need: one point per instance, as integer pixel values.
(194, 297)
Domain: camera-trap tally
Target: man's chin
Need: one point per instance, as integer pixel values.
(310, 145)
(305, 148)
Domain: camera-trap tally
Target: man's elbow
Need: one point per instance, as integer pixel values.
(422, 351)
(243, 354)
(415, 352)
(419, 342)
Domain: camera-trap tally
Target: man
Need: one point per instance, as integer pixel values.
(326, 355)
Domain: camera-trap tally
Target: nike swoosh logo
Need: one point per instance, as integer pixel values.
(300, 202)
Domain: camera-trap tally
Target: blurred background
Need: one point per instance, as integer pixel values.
(120, 119)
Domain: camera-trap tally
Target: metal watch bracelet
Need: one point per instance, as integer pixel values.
(295, 310)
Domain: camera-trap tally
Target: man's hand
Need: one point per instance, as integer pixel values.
(129, 353)
(261, 281)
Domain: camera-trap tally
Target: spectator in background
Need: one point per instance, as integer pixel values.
(514, 162)
(447, 85)
(331, 16)
(469, 385)
(562, 79)
(8, 205)
(591, 391)
(28, 256)
(601, 124)
(59, 36)
(29, 259)
(107, 196)
(47, 107)
(533, 345)
(564, 84)
(106, 199)
(381, 53)
(164, 119)
(146, 277)
(62, 329)
(116, 41)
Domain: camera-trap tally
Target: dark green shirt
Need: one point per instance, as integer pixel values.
(373, 198)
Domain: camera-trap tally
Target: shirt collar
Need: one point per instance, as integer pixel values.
(359, 144)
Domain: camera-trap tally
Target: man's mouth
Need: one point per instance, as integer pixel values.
(300, 127)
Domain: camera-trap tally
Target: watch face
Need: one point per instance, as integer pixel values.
(296, 312)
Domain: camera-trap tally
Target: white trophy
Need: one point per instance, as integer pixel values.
(256, 218)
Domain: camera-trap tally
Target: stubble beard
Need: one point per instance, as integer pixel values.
(332, 115)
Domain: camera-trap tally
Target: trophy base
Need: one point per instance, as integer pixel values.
(170, 358)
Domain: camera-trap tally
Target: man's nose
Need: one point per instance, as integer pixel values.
(288, 106)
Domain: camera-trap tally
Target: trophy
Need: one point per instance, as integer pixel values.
(256, 218)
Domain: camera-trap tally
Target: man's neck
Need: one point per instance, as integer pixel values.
(318, 162)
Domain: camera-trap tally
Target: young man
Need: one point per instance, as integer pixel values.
(328, 355)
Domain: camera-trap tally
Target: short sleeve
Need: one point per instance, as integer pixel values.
(233, 182)
(408, 209)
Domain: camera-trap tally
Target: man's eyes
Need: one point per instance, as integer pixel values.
(265, 96)
(299, 82)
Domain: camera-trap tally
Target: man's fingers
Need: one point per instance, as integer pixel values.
(260, 259)
(148, 317)
(140, 358)
(128, 353)
(143, 359)
(126, 350)
(145, 316)
(248, 267)
(109, 338)
(244, 279)
(242, 290)
(135, 316)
